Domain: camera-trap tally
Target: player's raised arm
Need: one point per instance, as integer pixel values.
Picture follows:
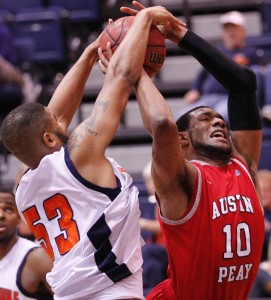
(169, 166)
(245, 123)
(69, 93)
(90, 139)
(240, 81)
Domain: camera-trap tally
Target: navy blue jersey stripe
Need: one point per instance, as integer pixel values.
(39, 295)
(105, 259)
(109, 192)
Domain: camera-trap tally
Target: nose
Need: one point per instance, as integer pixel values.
(2, 214)
(218, 122)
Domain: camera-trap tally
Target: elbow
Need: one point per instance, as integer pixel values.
(250, 79)
(163, 124)
(247, 80)
(125, 74)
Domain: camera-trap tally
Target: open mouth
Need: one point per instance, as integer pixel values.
(2, 227)
(218, 134)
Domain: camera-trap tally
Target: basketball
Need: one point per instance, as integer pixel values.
(156, 47)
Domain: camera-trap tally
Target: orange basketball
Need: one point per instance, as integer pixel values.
(156, 47)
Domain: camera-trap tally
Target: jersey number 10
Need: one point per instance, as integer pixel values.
(243, 246)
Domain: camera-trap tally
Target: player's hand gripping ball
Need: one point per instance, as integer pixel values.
(156, 47)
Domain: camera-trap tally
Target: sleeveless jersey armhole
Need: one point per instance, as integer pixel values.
(19, 276)
(193, 205)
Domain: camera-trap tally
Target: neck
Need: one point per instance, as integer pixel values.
(33, 161)
(6, 245)
(215, 160)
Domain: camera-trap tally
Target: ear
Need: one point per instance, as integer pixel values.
(49, 140)
(183, 138)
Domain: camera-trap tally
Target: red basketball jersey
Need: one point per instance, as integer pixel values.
(215, 248)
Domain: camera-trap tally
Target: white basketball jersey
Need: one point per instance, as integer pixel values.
(10, 268)
(91, 233)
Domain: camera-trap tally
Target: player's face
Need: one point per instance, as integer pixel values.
(57, 129)
(9, 217)
(209, 134)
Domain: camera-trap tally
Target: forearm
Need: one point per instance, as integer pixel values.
(134, 47)
(152, 105)
(69, 93)
(122, 72)
(240, 81)
(121, 75)
(230, 74)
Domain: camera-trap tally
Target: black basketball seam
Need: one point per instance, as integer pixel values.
(116, 42)
(111, 38)
(122, 27)
(147, 67)
(150, 46)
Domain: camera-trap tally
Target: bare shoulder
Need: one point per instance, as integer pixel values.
(33, 277)
(38, 259)
(20, 172)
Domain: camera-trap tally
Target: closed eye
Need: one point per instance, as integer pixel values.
(205, 119)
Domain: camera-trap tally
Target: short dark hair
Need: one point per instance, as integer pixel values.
(5, 190)
(22, 126)
(184, 120)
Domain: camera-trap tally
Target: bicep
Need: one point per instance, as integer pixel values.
(174, 177)
(168, 159)
(248, 144)
(38, 264)
(95, 133)
(170, 168)
(88, 142)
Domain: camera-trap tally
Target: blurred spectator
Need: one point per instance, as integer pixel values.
(23, 264)
(151, 225)
(7, 49)
(262, 278)
(266, 109)
(11, 80)
(265, 186)
(16, 87)
(206, 90)
(262, 285)
(155, 260)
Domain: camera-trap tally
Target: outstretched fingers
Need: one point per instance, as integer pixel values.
(102, 67)
(161, 14)
(138, 5)
(104, 61)
(131, 11)
(175, 21)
